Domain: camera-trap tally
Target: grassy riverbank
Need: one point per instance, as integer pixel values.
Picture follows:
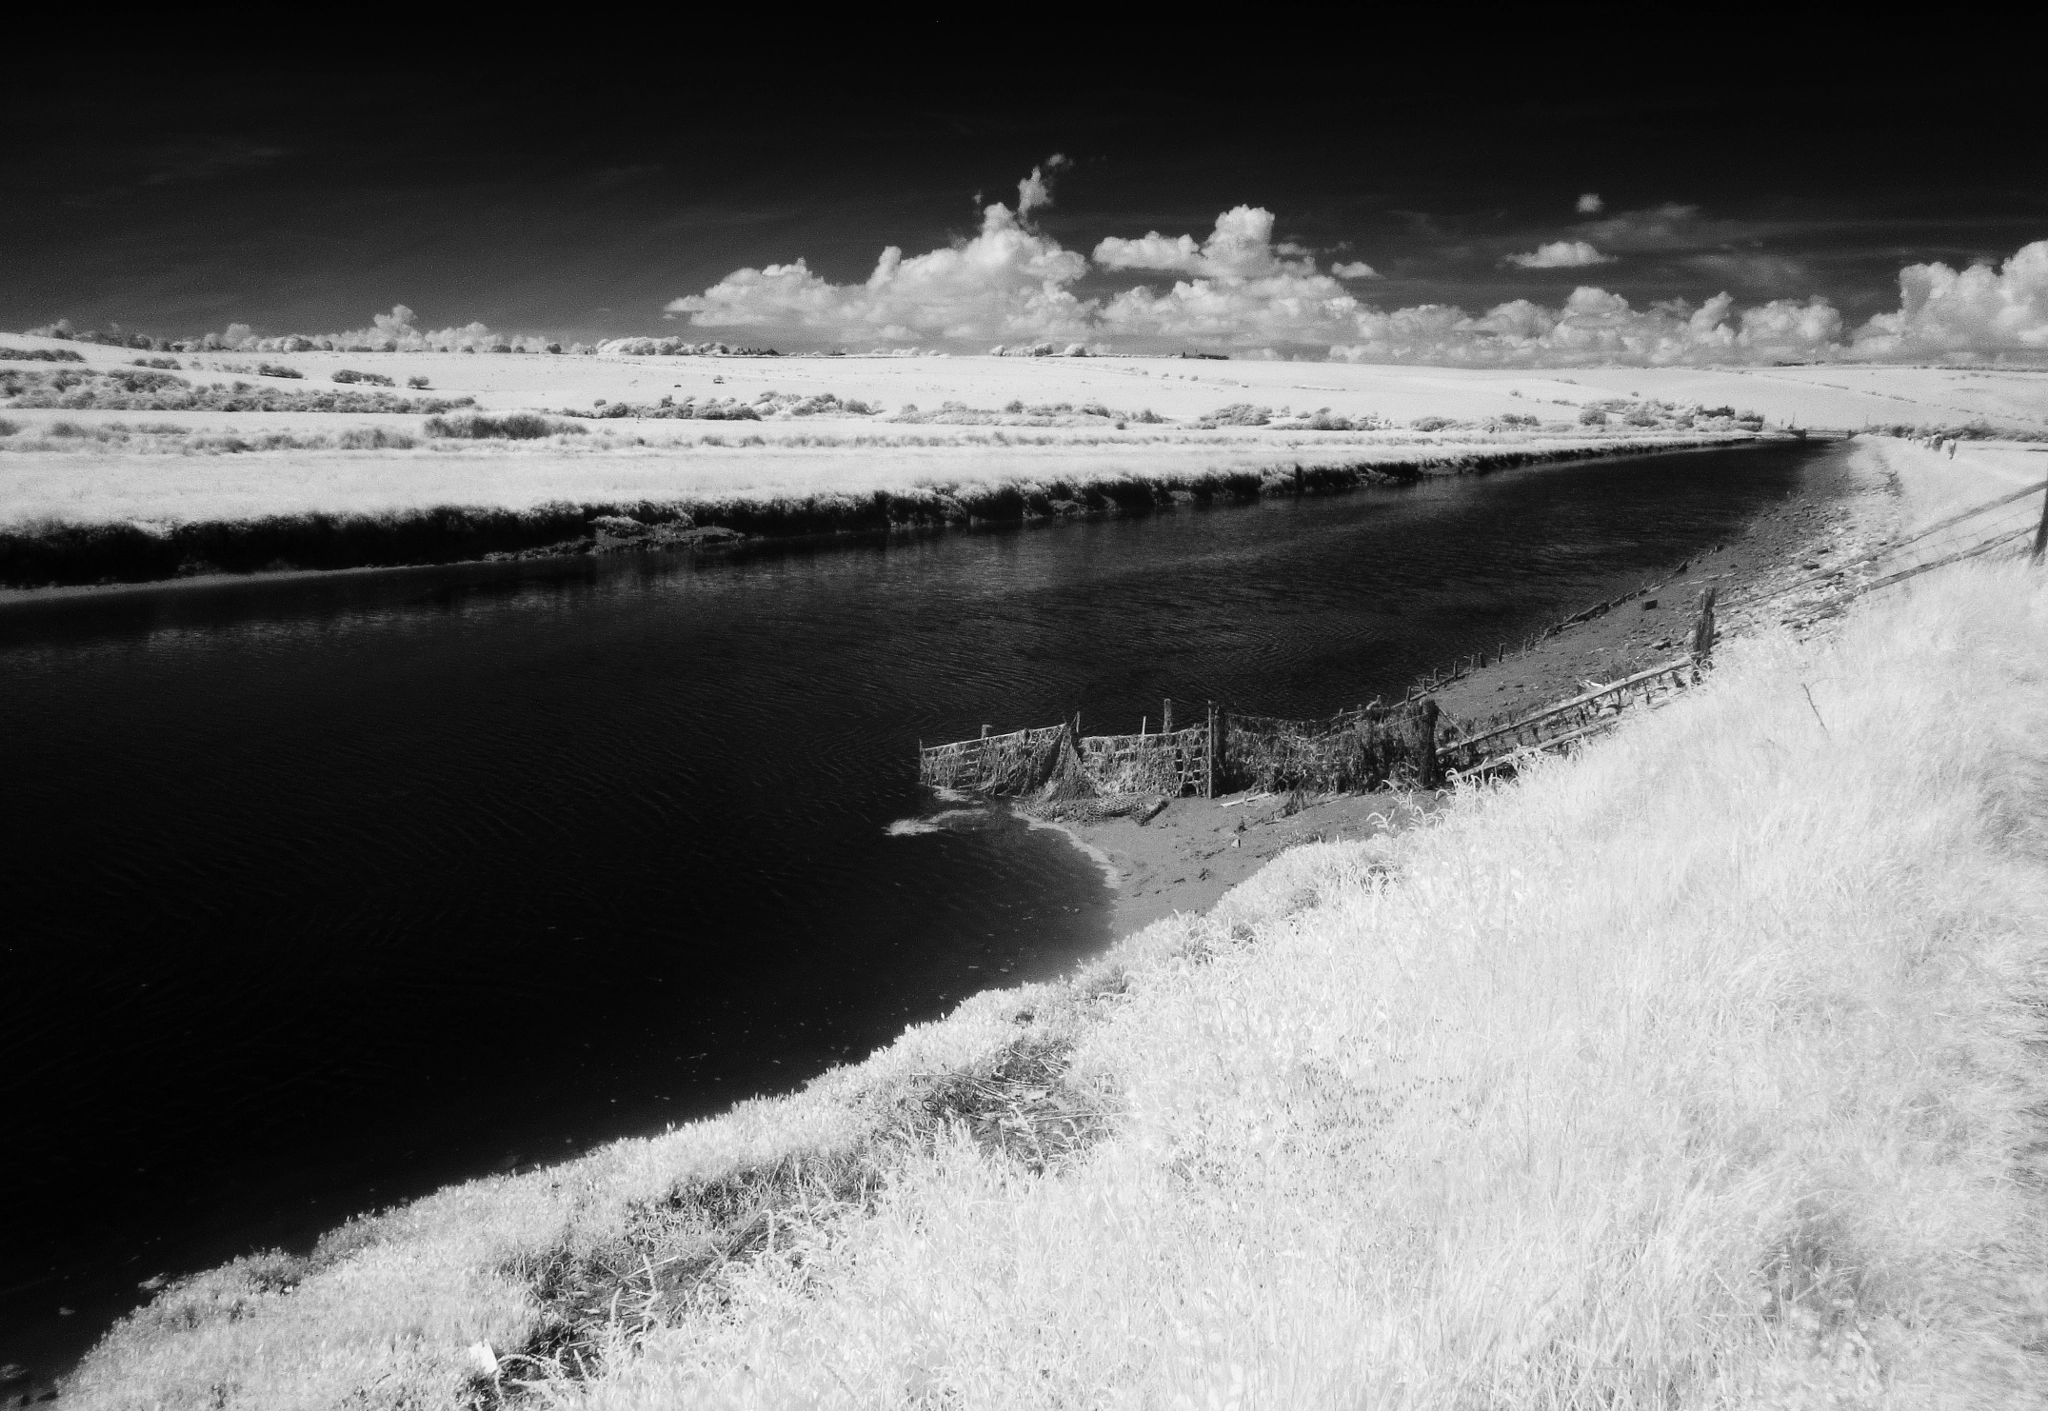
(1700, 1069)
(114, 473)
(53, 551)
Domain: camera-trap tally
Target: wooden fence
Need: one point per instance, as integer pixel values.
(1356, 749)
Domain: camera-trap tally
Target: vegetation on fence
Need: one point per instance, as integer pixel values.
(1057, 771)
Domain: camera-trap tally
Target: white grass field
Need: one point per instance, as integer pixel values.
(1702, 1069)
(70, 467)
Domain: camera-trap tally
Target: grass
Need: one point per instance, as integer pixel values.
(1703, 1069)
(120, 519)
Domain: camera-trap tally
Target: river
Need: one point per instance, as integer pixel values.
(327, 890)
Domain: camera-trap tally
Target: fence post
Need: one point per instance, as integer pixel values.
(2041, 534)
(1703, 630)
(1429, 775)
(1215, 754)
(1166, 717)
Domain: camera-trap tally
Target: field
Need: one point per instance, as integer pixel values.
(981, 423)
(1700, 1069)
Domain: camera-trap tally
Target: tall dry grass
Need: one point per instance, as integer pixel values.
(1703, 1069)
(1700, 1071)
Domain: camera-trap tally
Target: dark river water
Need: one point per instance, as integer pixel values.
(324, 892)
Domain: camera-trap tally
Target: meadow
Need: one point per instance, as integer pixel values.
(1701, 1068)
(115, 446)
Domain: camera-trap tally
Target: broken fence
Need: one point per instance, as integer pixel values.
(1061, 770)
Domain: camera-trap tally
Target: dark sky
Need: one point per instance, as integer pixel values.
(568, 191)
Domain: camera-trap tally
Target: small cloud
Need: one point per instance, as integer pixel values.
(204, 158)
(1671, 226)
(1035, 190)
(1590, 204)
(1354, 269)
(1561, 254)
(1754, 270)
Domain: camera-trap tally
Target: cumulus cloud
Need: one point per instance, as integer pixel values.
(1595, 326)
(1240, 247)
(1590, 204)
(1245, 291)
(1980, 311)
(1237, 287)
(1561, 254)
(397, 331)
(1009, 282)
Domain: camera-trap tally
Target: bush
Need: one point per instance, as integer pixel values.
(8, 428)
(1240, 414)
(374, 379)
(1592, 416)
(171, 363)
(374, 438)
(514, 426)
(41, 355)
(277, 370)
(1431, 423)
(416, 383)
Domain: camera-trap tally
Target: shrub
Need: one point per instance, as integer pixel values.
(417, 383)
(374, 379)
(1240, 414)
(277, 370)
(1431, 423)
(375, 438)
(514, 426)
(41, 355)
(171, 363)
(1592, 416)
(8, 428)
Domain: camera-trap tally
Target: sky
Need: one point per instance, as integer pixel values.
(1552, 196)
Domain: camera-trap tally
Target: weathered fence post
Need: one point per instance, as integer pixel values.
(1703, 630)
(2041, 534)
(1430, 775)
(1166, 717)
(1215, 754)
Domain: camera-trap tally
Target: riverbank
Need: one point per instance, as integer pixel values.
(111, 473)
(541, 507)
(1695, 1067)
(1197, 849)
